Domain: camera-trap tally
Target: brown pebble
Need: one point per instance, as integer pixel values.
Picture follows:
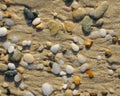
(108, 52)
(20, 70)
(88, 43)
(90, 73)
(77, 80)
(40, 26)
(114, 39)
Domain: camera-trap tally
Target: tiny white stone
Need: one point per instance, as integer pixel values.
(55, 48)
(3, 31)
(75, 39)
(110, 72)
(75, 92)
(22, 86)
(64, 78)
(41, 48)
(6, 44)
(11, 49)
(29, 42)
(36, 21)
(47, 89)
(17, 78)
(103, 32)
(82, 59)
(15, 39)
(64, 86)
(99, 57)
(56, 68)
(11, 66)
(75, 5)
(69, 69)
(74, 47)
(84, 67)
(62, 73)
(24, 43)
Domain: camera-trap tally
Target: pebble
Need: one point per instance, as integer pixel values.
(11, 49)
(79, 13)
(103, 32)
(69, 69)
(74, 47)
(64, 78)
(72, 86)
(68, 92)
(9, 22)
(81, 59)
(20, 70)
(28, 94)
(118, 72)
(99, 57)
(3, 67)
(15, 56)
(76, 93)
(17, 78)
(84, 67)
(55, 48)
(36, 21)
(64, 86)
(75, 5)
(110, 72)
(6, 44)
(15, 39)
(95, 35)
(111, 90)
(5, 85)
(10, 73)
(11, 66)
(62, 73)
(3, 7)
(100, 10)
(41, 48)
(56, 68)
(28, 58)
(24, 64)
(108, 37)
(22, 86)
(26, 43)
(75, 39)
(47, 89)
(99, 22)
(3, 31)
(69, 26)
(77, 80)
(61, 62)
(87, 25)
(111, 32)
(54, 27)
(40, 26)
(40, 67)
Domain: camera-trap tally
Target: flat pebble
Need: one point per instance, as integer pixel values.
(40, 67)
(81, 58)
(47, 89)
(74, 47)
(11, 66)
(28, 58)
(3, 31)
(56, 68)
(84, 67)
(69, 69)
(69, 26)
(55, 48)
(95, 35)
(36, 21)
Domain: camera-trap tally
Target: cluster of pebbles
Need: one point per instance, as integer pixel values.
(16, 56)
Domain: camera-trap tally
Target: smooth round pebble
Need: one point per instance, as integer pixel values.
(17, 78)
(62, 73)
(36, 21)
(99, 57)
(3, 31)
(74, 47)
(47, 89)
(82, 59)
(69, 69)
(11, 49)
(103, 32)
(110, 72)
(55, 48)
(24, 43)
(11, 66)
(75, 39)
(56, 68)
(75, 5)
(84, 67)
(75, 92)
(28, 58)
(64, 86)
(111, 32)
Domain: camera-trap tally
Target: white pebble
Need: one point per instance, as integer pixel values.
(82, 59)
(75, 5)
(36, 21)
(22, 86)
(75, 92)
(11, 66)
(6, 44)
(64, 86)
(24, 64)
(103, 32)
(64, 78)
(69, 69)
(74, 47)
(17, 78)
(108, 37)
(40, 66)
(9, 22)
(41, 48)
(75, 39)
(61, 62)
(56, 68)
(111, 32)
(11, 49)
(55, 48)
(15, 39)
(29, 42)
(111, 90)
(95, 34)
(110, 72)
(47, 89)
(99, 57)
(3, 31)
(62, 73)
(24, 43)
(84, 67)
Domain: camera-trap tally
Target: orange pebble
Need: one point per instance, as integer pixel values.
(90, 73)
(118, 40)
(88, 43)
(77, 80)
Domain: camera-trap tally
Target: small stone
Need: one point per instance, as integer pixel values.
(74, 47)
(17, 78)
(6, 44)
(55, 48)
(64, 78)
(3, 7)
(56, 68)
(20, 70)
(88, 43)
(64, 86)
(10, 73)
(103, 32)
(15, 39)
(100, 10)
(61, 62)
(15, 56)
(108, 52)
(77, 80)
(81, 59)
(76, 93)
(41, 48)
(69, 69)
(54, 27)
(9, 22)
(22, 86)
(75, 5)
(99, 57)
(69, 26)
(68, 92)
(108, 37)
(40, 67)
(111, 32)
(87, 25)
(118, 72)
(11, 49)
(110, 72)
(3, 67)
(11, 66)
(104, 93)
(79, 13)
(40, 26)
(24, 64)
(28, 58)
(5, 84)
(72, 86)
(84, 67)
(62, 73)
(3, 31)
(93, 94)
(95, 35)
(36, 21)
(111, 90)
(47, 89)
(75, 39)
